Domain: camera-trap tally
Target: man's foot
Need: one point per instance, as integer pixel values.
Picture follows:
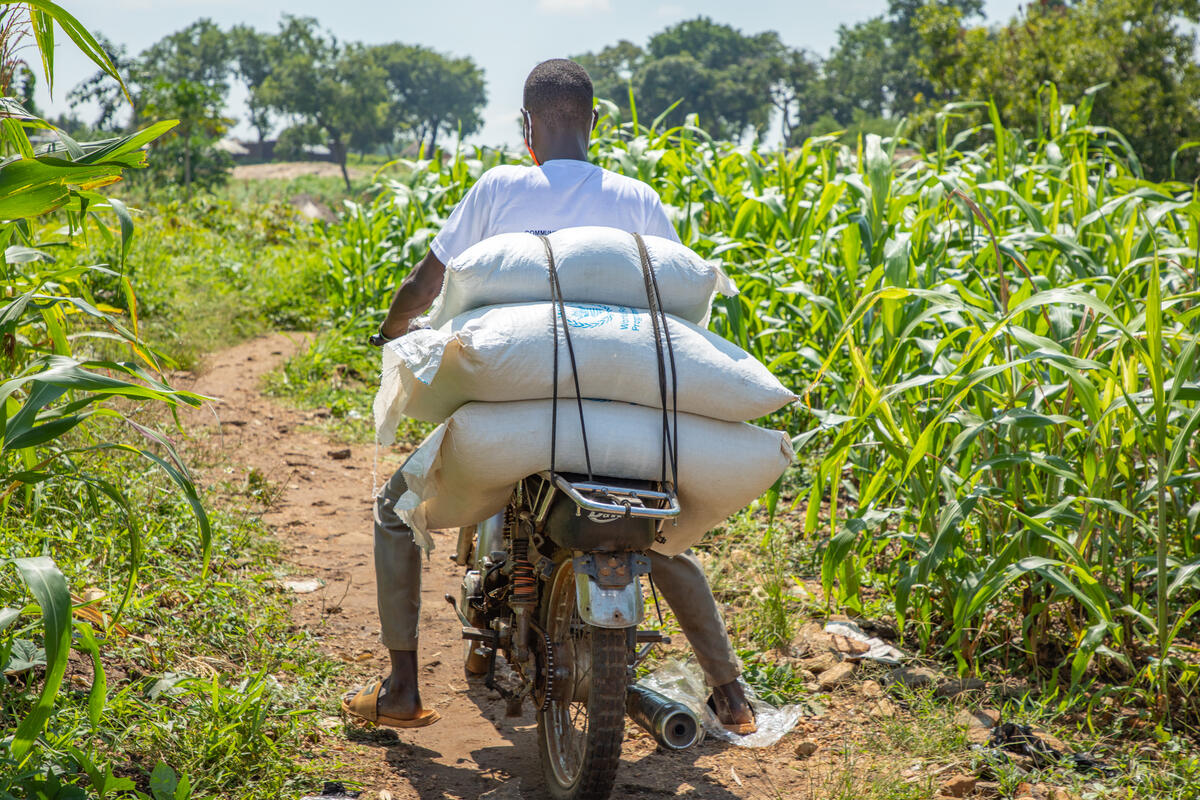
(394, 701)
(729, 703)
(401, 695)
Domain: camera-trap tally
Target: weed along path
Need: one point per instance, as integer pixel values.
(318, 504)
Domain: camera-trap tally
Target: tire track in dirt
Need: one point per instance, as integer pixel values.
(322, 515)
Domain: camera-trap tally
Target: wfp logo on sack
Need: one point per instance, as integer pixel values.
(596, 315)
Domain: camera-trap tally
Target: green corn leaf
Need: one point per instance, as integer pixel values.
(84, 40)
(98, 694)
(49, 588)
(7, 617)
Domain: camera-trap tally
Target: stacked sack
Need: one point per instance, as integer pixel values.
(484, 370)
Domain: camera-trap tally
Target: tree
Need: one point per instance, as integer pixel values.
(102, 89)
(431, 92)
(715, 71)
(198, 109)
(879, 67)
(253, 54)
(183, 76)
(199, 53)
(1136, 47)
(718, 72)
(798, 92)
(612, 71)
(317, 82)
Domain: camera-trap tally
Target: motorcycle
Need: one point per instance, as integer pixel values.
(554, 584)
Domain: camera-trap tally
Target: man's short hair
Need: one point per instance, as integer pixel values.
(559, 92)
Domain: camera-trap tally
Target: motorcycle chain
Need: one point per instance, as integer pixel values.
(548, 671)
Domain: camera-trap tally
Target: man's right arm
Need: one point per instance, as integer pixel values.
(416, 293)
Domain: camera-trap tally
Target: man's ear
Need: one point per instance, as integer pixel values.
(595, 118)
(526, 128)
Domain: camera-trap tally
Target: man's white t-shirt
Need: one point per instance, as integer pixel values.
(562, 193)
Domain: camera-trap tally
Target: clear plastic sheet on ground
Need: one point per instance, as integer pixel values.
(683, 682)
(880, 651)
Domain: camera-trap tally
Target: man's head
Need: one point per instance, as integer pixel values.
(559, 93)
(558, 106)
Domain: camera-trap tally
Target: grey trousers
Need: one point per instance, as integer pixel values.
(680, 579)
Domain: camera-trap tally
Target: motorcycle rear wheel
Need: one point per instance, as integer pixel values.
(580, 732)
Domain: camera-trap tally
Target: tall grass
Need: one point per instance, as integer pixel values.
(995, 339)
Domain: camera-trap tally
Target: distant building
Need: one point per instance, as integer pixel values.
(252, 152)
(238, 150)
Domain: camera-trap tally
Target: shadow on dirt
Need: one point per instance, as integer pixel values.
(658, 773)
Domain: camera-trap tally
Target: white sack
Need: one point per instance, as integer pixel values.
(595, 265)
(502, 353)
(466, 470)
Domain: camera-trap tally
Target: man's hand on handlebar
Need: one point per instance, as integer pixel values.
(379, 339)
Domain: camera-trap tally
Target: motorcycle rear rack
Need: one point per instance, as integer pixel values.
(621, 501)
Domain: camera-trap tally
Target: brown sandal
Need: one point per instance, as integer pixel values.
(364, 705)
(740, 728)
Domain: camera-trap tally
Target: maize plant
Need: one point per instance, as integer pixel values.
(995, 339)
(53, 383)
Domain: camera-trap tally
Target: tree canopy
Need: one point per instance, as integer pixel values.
(1136, 61)
(1133, 57)
(713, 70)
(299, 78)
(908, 62)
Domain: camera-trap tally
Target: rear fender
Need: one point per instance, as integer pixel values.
(608, 592)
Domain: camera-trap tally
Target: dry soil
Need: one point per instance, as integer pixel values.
(322, 515)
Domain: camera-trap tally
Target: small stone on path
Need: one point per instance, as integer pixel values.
(820, 663)
(340, 455)
(302, 586)
(981, 718)
(957, 686)
(806, 749)
(959, 785)
(883, 708)
(836, 675)
(912, 677)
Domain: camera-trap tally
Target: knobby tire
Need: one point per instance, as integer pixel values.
(605, 710)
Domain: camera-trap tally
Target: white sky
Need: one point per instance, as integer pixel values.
(505, 38)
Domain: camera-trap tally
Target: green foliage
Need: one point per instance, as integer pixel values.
(335, 90)
(777, 684)
(181, 633)
(1141, 51)
(251, 53)
(189, 156)
(997, 351)
(429, 93)
(719, 73)
(57, 395)
(921, 54)
(182, 76)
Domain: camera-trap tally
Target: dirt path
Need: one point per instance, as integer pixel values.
(288, 170)
(323, 516)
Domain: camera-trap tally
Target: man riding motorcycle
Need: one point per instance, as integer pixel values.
(561, 190)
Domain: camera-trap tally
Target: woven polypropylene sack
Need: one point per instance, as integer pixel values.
(466, 470)
(502, 353)
(595, 265)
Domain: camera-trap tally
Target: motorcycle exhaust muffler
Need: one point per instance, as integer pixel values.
(672, 724)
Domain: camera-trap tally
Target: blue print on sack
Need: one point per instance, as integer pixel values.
(595, 315)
